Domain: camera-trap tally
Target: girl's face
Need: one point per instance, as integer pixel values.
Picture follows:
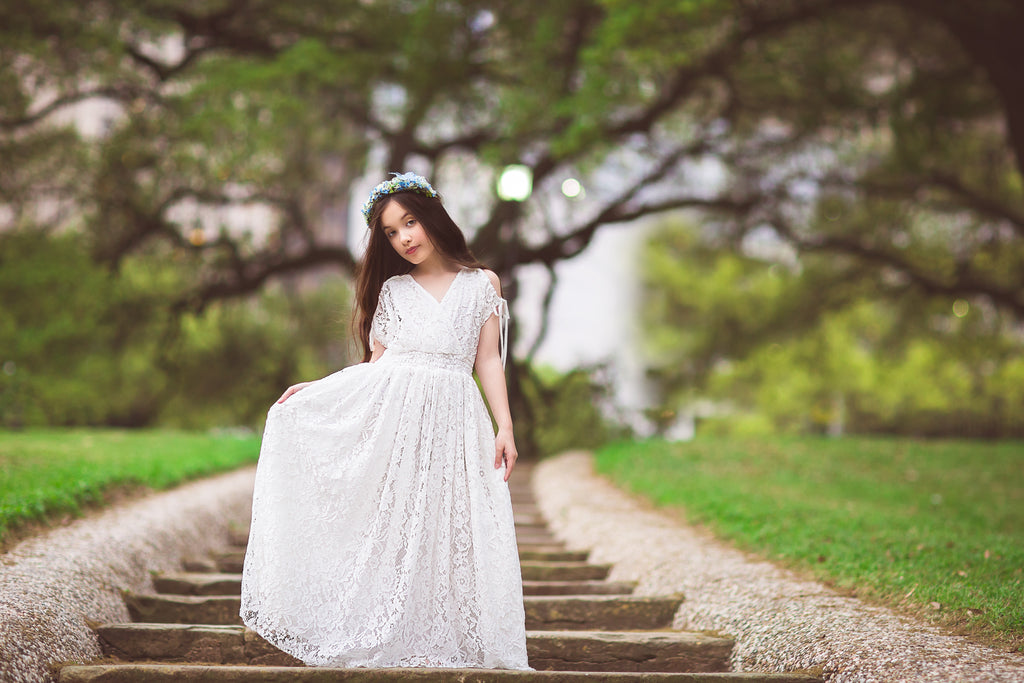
(406, 234)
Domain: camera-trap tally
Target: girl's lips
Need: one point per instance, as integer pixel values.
(411, 251)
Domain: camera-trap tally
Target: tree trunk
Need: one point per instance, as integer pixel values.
(990, 32)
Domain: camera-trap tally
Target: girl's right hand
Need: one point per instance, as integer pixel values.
(292, 389)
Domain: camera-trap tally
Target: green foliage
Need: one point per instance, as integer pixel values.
(565, 410)
(815, 346)
(228, 365)
(907, 522)
(55, 300)
(872, 134)
(83, 346)
(48, 473)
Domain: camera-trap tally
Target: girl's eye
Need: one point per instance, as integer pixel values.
(411, 222)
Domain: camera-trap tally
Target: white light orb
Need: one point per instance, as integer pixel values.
(515, 183)
(571, 188)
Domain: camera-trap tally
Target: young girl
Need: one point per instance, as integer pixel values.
(382, 534)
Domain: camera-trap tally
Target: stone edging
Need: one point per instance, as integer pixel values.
(781, 622)
(53, 585)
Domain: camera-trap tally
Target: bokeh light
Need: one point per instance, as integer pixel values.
(572, 188)
(515, 183)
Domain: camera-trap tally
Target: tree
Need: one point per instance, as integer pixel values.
(838, 127)
(816, 345)
(82, 346)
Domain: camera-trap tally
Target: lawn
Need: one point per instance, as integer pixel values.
(49, 474)
(931, 527)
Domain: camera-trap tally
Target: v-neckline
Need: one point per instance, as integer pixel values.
(446, 292)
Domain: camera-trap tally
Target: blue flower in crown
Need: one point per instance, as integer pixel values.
(402, 182)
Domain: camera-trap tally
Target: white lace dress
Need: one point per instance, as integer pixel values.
(382, 535)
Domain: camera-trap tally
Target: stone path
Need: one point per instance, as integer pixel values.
(580, 626)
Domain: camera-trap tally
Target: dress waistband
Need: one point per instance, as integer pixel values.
(429, 361)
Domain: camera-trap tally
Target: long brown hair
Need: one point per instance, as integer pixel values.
(381, 261)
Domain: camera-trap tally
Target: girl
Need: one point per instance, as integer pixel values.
(381, 536)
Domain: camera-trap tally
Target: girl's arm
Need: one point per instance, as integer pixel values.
(492, 379)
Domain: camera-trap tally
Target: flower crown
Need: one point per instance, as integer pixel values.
(404, 182)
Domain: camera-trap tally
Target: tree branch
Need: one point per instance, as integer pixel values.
(255, 274)
(569, 244)
(984, 205)
(964, 281)
(906, 188)
(121, 93)
(165, 72)
(470, 142)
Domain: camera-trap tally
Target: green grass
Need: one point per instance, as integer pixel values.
(934, 528)
(48, 474)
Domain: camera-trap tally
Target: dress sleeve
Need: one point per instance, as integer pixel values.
(493, 304)
(385, 320)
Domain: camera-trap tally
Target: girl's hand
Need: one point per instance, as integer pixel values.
(505, 449)
(291, 390)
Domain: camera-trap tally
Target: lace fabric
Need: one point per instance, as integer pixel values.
(381, 533)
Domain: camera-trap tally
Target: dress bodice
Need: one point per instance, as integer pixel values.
(410, 323)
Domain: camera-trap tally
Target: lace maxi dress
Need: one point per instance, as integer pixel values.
(382, 535)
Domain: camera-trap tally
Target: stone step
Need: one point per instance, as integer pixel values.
(208, 583)
(190, 643)
(526, 516)
(548, 650)
(563, 571)
(166, 673)
(198, 583)
(559, 613)
(231, 562)
(196, 565)
(523, 518)
(552, 553)
(206, 610)
(535, 538)
(600, 612)
(649, 651)
(238, 536)
(578, 587)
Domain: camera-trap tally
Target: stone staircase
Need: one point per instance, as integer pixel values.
(579, 626)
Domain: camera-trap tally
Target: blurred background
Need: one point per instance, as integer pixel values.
(721, 216)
